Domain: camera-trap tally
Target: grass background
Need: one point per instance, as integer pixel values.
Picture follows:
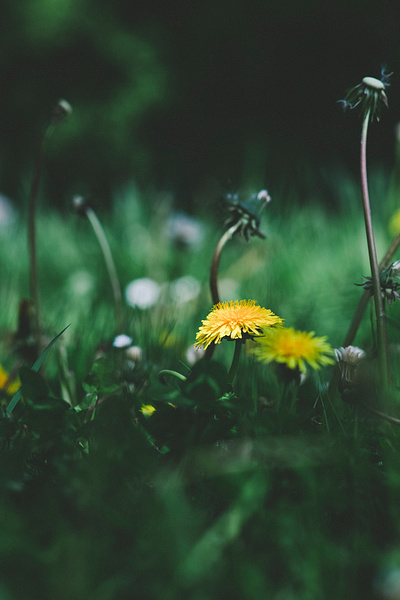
(278, 493)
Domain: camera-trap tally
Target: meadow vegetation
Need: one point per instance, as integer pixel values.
(134, 465)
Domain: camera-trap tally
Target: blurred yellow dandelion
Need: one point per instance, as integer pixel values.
(7, 385)
(394, 223)
(147, 410)
(293, 348)
(235, 320)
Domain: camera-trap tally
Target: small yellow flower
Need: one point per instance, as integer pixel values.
(147, 410)
(6, 385)
(293, 348)
(235, 320)
(394, 223)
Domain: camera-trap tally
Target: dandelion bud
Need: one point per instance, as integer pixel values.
(79, 205)
(264, 196)
(395, 269)
(349, 360)
(245, 213)
(60, 112)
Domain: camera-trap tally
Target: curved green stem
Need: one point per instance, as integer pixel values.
(112, 272)
(378, 301)
(216, 258)
(161, 374)
(229, 233)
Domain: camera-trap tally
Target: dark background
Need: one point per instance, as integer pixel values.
(188, 96)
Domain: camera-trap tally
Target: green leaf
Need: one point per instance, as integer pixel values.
(33, 386)
(206, 382)
(38, 363)
(87, 402)
(102, 377)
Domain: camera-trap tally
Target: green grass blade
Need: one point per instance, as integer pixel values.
(38, 363)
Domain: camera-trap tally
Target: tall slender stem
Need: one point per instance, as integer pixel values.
(360, 310)
(229, 233)
(378, 301)
(112, 272)
(32, 247)
(216, 258)
(363, 302)
(235, 360)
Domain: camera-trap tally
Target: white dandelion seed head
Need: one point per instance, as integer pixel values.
(185, 289)
(122, 341)
(142, 293)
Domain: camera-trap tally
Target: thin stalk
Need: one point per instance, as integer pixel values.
(229, 233)
(363, 303)
(216, 258)
(108, 259)
(32, 246)
(380, 414)
(378, 301)
(161, 375)
(360, 310)
(235, 360)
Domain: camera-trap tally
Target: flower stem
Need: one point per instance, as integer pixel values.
(378, 301)
(235, 360)
(380, 414)
(229, 233)
(216, 258)
(161, 375)
(363, 302)
(32, 246)
(112, 272)
(360, 310)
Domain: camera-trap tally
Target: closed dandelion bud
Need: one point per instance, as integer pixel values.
(264, 196)
(245, 213)
(60, 112)
(79, 205)
(349, 360)
(389, 287)
(395, 269)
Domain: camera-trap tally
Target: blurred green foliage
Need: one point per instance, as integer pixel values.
(111, 75)
(177, 96)
(265, 489)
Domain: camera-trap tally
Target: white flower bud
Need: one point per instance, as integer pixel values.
(351, 355)
(61, 111)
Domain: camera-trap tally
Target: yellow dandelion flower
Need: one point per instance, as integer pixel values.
(147, 410)
(394, 223)
(235, 320)
(6, 385)
(293, 348)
